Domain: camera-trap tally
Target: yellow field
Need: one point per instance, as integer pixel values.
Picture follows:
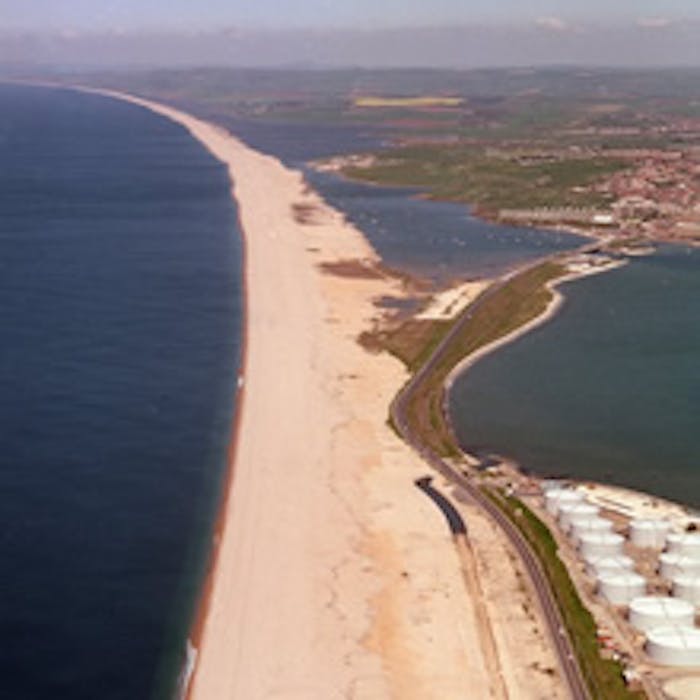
(426, 101)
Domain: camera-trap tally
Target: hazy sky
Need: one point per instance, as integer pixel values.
(129, 14)
(459, 33)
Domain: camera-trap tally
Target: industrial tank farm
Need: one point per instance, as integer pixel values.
(672, 564)
(619, 588)
(600, 544)
(656, 611)
(583, 525)
(674, 646)
(687, 587)
(557, 497)
(599, 565)
(648, 612)
(649, 533)
(570, 512)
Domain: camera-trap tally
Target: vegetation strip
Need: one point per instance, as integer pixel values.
(490, 181)
(517, 301)
(603, 676)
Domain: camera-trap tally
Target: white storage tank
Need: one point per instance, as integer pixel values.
(621, 587)
(674, 646)
(600, 544)
(598, 566)
(685, 543)
(687, 587)
(580, 526)
(672, 564)
(651, 611)
(568, 511)
(645, 532)
(554, 498)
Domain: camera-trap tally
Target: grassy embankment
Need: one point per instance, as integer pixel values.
(521, 299)
(489, 182)
(603, 676)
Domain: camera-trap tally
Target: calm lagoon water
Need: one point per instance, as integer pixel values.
(436, 240)
(119, 341)
(609, 390)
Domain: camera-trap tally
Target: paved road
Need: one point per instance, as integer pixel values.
(562, 642)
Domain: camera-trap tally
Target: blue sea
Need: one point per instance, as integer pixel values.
(120, 307)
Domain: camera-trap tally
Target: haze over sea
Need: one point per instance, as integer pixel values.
(119, 338)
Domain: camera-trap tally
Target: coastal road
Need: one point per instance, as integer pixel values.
(553, 619)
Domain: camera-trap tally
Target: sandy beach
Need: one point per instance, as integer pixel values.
(333, 576)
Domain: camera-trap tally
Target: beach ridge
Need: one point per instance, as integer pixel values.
(332, 575)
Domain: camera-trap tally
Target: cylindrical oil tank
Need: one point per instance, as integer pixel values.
(685, 543)
(687, 587)
(554, 498)
(651, 611)
(579, 526)
(672, 564)
(567, 511)
(600, 544)
(598, 566)
(674, 646)
(622, 587)
(645, 532)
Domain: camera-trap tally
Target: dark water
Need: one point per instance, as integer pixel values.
(437, 240)
(440, 241)
(119, 338)
(609, 390)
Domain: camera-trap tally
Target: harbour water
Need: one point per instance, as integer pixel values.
(609, 390)
(438, 241)
(119, 341)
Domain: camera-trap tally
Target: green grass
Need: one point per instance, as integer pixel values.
(603, 676)
(470, 175)
(521, 299)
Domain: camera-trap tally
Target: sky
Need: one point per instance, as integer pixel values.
(454, 33)
(99, 15)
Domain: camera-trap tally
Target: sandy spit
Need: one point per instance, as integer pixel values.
(553, 307)
(332, 575)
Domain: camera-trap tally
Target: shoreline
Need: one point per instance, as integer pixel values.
(202, 603)
(331, 575)
(206, 596)
(553, 307)
(601, 234)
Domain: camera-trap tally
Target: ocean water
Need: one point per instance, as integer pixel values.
(119, 341)
(609, 390)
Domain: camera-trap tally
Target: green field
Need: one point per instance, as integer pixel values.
(521, 299)
(491, 183)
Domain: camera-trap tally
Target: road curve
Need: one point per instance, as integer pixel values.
(560, 638)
